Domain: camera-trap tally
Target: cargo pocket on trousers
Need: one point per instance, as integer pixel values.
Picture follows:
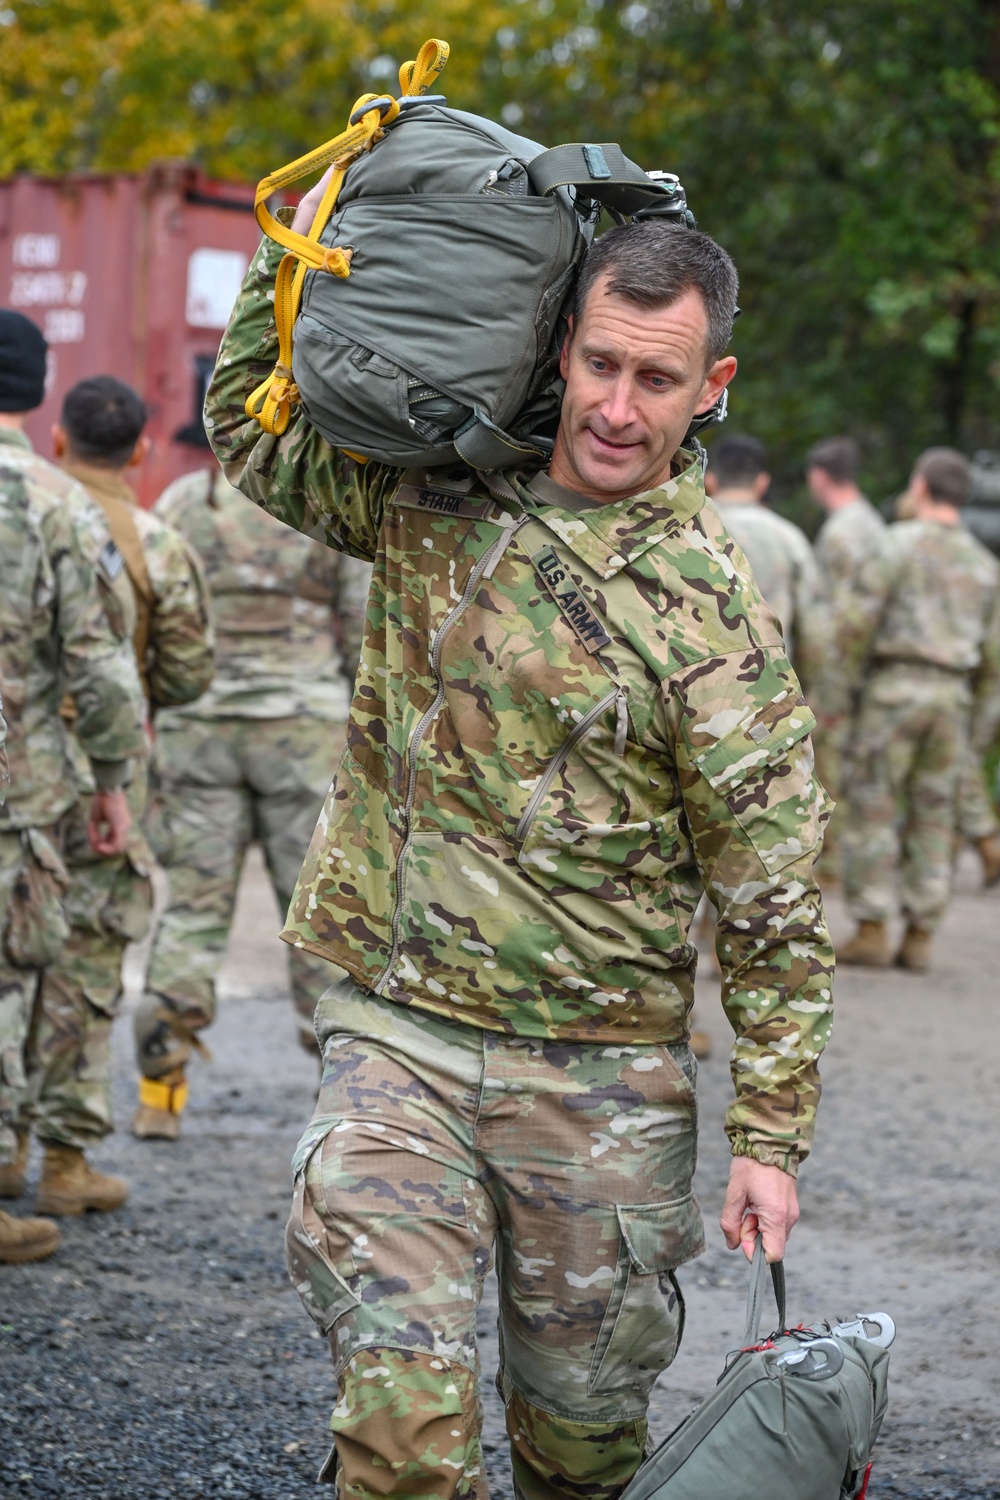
(644, 1320)
(36, 928)
(12, 1066)
(157, 823)
(128, 912)
(324, 1291)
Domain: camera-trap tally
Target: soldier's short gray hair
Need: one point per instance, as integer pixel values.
(652, 264)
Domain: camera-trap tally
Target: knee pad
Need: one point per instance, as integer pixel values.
(552, 1455)
(406, 1424)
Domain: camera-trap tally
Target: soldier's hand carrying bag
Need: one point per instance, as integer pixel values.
(793, 1417)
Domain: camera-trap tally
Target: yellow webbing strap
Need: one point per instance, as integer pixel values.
(271, 403)
(168, 1096)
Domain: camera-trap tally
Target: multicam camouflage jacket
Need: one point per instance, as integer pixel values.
(785, 572)
(845, 541)
(289, 612)
(568, 718)
(4, 767)
(173, 640)
(929, 598)
(55, 633)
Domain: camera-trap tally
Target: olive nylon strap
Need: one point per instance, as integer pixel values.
(755, 1296)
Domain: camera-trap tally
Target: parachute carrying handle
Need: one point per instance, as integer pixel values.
(602, 172)
(271, 403)
(484, 446)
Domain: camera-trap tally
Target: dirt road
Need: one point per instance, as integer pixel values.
(163, 1354)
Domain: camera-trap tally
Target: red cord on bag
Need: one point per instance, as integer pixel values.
(862, 1492)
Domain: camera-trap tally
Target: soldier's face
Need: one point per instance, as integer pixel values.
(634, 379)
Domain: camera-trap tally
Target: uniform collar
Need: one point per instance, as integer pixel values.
(608, 537)
(15, 437)
(103, 484)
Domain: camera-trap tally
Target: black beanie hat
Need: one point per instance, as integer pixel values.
(22, 362)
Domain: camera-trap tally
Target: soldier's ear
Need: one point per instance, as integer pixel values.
(60, 442)
(139, 453)
(564, 351)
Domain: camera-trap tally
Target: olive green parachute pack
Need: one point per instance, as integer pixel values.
(422, 315)
(793, 1417)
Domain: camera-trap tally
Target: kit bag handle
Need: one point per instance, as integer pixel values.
(755, 1295)
(601, 172)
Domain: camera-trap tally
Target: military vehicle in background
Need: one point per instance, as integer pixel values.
(982, 513)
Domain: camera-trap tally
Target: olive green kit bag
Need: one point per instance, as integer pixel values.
(421, 318)
(793, 1417)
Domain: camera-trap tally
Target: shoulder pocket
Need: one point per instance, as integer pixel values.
(765, 738)
(770, 787)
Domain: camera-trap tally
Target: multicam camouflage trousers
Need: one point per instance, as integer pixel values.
(19, 976)
(435, 1144)
(222, 784)
(975, 816)
(909, 749)
(109, 905)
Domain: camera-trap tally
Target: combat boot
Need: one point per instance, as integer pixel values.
(989, 853)
(161, 1100)
(868, 946)
(12, 1176)
(70, 1185)
(915, 949)
(701, 1044)
(22, 1240)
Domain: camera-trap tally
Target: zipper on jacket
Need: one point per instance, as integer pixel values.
(485, 567)
(576, 734)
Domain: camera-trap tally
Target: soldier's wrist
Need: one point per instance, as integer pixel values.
(768, 1153)
(110, 775)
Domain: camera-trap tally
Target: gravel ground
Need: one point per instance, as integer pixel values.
(161, 1352)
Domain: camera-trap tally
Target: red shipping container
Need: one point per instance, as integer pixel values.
(133, 276)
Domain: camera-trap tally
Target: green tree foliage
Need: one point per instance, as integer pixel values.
(847, 154)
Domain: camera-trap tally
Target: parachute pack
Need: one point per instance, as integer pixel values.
(794, 1416)
(423, 313)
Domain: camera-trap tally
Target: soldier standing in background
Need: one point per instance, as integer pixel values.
(250, 760)
(110, 902)
(778, 552)
(921, 643)
(851, 533)
(853, 527)
(783, 568)
(976, 820)
(57, 563)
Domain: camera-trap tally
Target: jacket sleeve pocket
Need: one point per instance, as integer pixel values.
(764, 770)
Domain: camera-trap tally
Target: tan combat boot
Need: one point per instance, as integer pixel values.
(701, 1044)
(70, 1185)
(989, 853)
(22, 1240)
(12, 1176)
(161, 1100)
(915, 949)
(868, 946)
